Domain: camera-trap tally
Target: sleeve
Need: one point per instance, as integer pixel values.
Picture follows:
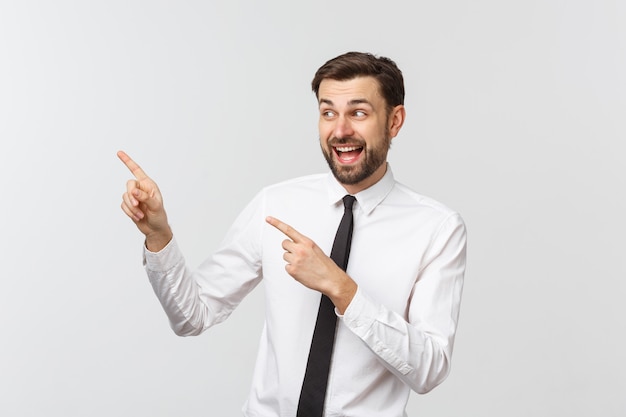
(418, 350)
(195, 300)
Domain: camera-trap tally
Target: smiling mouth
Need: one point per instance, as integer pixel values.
(348, 154)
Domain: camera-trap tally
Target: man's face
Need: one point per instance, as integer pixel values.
(356, 130)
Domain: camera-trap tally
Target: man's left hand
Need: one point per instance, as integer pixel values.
(310, 266)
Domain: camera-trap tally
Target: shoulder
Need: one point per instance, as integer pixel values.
(423, 209)
(401, 192)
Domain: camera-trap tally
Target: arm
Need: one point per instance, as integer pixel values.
(195, 300)
(418, 350)
(192, 300)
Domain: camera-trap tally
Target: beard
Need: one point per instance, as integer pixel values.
(370, 159)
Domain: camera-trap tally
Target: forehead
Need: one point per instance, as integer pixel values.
(341, 92)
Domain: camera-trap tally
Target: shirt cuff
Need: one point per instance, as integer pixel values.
(163, 260)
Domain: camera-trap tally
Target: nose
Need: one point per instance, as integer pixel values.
(343, 127)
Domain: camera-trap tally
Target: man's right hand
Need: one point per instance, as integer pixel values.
(143, 203)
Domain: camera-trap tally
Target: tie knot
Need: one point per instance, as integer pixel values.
(348, 201)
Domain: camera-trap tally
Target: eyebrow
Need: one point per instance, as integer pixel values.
(354, 102)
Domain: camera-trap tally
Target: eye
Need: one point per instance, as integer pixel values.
(328, 114)
(359, 113)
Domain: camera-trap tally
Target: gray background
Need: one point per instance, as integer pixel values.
(515, 118)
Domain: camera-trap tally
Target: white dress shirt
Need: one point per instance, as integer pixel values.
(397, 334)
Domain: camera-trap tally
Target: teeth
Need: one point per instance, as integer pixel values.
(347, 148)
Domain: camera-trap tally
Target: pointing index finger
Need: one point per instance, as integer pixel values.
(131, 165)
(289, 231)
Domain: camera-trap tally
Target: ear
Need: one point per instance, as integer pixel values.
(396, 120)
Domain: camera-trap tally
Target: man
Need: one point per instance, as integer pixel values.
(397, 302)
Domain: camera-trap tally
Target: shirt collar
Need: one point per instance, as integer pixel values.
(367, 199)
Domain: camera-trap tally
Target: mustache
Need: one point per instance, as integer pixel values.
(335, 141)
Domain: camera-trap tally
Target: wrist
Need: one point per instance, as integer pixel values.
(343, 294)
(156, 241)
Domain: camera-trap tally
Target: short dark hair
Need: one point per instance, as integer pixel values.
(361, 64)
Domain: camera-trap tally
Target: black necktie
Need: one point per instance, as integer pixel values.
(313, 392)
